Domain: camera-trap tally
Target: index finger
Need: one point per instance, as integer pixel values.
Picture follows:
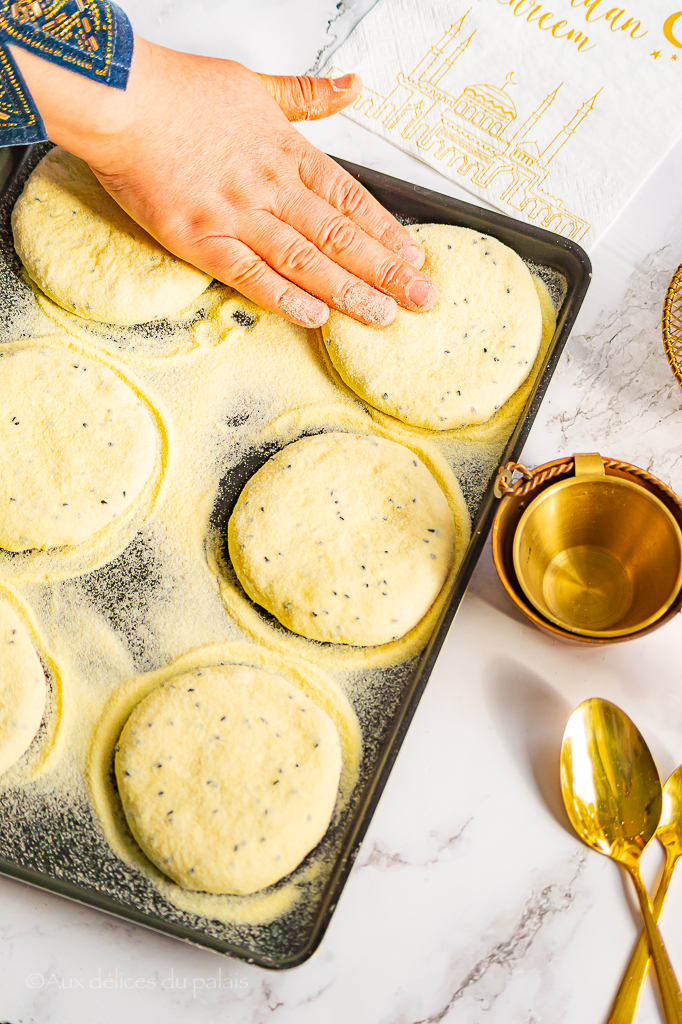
(323, 176)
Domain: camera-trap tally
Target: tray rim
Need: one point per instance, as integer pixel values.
(561, 254)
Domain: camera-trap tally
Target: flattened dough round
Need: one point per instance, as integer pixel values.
(77, 448)
(460, 361)
(228, 777)
(22, 688)
(345, 538)
(89, 256)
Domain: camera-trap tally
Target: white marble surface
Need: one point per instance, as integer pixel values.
(470, 901)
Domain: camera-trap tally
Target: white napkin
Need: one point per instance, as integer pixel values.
(554, 112)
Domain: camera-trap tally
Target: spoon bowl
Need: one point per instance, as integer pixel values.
(609, 781)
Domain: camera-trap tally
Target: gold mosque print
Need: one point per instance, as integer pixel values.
(476, 135)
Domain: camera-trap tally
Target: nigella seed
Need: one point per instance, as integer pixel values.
(241, 317)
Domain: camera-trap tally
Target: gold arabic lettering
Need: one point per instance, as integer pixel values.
(612, 16)
(536, 15)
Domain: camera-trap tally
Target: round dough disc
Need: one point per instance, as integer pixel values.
(89, 256)
(460, 361)
(345, 538)
(22, 688)
(77, 448)
(228, 777)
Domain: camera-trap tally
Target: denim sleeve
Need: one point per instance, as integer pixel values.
(90, 37)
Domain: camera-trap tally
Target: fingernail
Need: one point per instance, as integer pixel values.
(422, 293)
(308, 311)
(413, 254)
(364, 303)
(343, 84)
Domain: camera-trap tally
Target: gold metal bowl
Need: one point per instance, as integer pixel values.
(598, 556)
(672, 324)
(633, 569)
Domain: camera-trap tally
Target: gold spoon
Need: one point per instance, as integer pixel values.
(613, 798)
(669, 834)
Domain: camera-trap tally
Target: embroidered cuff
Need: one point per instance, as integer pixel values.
(90, 37)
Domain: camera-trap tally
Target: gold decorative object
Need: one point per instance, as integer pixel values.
(669, 834)
(613, 798)
(672, 324)
(598, 555)
(518, 487)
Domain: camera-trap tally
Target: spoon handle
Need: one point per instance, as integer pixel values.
(667, 982)
(627, 997)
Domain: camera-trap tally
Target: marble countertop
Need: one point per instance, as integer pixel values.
(470, 901)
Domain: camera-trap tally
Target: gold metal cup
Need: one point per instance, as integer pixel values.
(593, 557)
(517, 497)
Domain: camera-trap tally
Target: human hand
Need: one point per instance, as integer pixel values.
(200, 152)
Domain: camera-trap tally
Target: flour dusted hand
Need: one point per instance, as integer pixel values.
(201, 154)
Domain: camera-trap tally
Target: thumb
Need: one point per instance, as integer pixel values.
(307, 99)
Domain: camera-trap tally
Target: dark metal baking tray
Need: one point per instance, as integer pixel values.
(86, 872)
